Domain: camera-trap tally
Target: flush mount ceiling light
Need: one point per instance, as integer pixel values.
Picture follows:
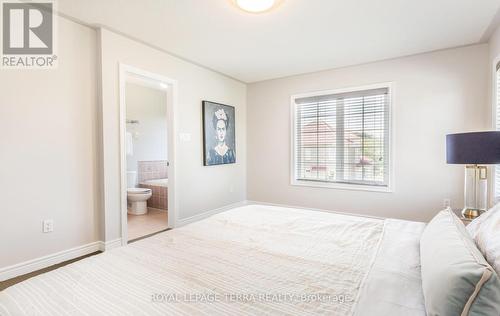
(255, 6)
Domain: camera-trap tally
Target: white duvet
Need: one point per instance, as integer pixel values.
(253, 260)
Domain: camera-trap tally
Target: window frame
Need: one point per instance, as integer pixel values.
(389, 188)
(493, 190)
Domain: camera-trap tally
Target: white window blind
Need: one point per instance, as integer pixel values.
(342, 138)
(497, 127)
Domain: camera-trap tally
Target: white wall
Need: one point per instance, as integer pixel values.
(434, 94)
(199, 188)
(49, 151)
(149, 107)
(494, 59)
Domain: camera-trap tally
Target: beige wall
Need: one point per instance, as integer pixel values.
(434, 94)
(199, 188)
(48, 151)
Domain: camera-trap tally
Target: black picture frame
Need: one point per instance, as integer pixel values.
(219, 133)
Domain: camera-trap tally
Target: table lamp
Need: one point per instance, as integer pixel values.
(474, 150)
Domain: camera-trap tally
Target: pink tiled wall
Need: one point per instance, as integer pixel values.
(149, 170)
(159, 199)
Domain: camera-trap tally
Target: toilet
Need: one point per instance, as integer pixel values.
(137, 198)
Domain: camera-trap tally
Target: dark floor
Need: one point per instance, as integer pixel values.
(5, 284)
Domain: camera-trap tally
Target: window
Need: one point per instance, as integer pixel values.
(342, 139)
(497, 127)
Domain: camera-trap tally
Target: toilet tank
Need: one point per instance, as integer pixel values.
(131, 179)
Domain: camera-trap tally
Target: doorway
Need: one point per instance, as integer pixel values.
(147, 153)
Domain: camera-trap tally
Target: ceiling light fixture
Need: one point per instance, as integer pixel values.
(255, 6)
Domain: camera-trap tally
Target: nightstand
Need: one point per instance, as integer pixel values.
(464, 220)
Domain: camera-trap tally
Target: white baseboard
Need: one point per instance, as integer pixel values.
(250, 202)
(198, 217)
(47, 261)
(55, 258)
(108, 245)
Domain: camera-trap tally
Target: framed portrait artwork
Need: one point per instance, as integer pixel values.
(218, 134)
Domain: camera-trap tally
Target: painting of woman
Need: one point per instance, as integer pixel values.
(219, 135)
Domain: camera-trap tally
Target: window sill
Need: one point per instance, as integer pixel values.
(342, 186)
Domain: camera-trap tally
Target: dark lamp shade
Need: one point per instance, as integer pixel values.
(473, 148)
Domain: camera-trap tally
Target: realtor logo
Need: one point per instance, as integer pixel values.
(28, 35)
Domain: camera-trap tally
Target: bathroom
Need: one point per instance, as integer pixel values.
(146, 158)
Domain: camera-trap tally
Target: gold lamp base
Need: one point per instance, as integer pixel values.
(471, 213)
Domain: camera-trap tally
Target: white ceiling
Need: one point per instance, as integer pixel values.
(298, 36)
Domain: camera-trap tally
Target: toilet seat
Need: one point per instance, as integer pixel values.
(138, 190)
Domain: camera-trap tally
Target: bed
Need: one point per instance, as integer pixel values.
(251, 260)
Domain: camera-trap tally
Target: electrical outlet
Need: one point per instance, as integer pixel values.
(231, 189)
(446, 203)
(48, 226)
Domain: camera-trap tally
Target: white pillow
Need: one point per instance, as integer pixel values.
(474, 226)
(485, 230)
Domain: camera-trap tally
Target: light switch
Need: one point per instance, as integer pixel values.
(48, 226)
(185, 137)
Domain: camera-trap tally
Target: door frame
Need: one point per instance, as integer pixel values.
(172, 99)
